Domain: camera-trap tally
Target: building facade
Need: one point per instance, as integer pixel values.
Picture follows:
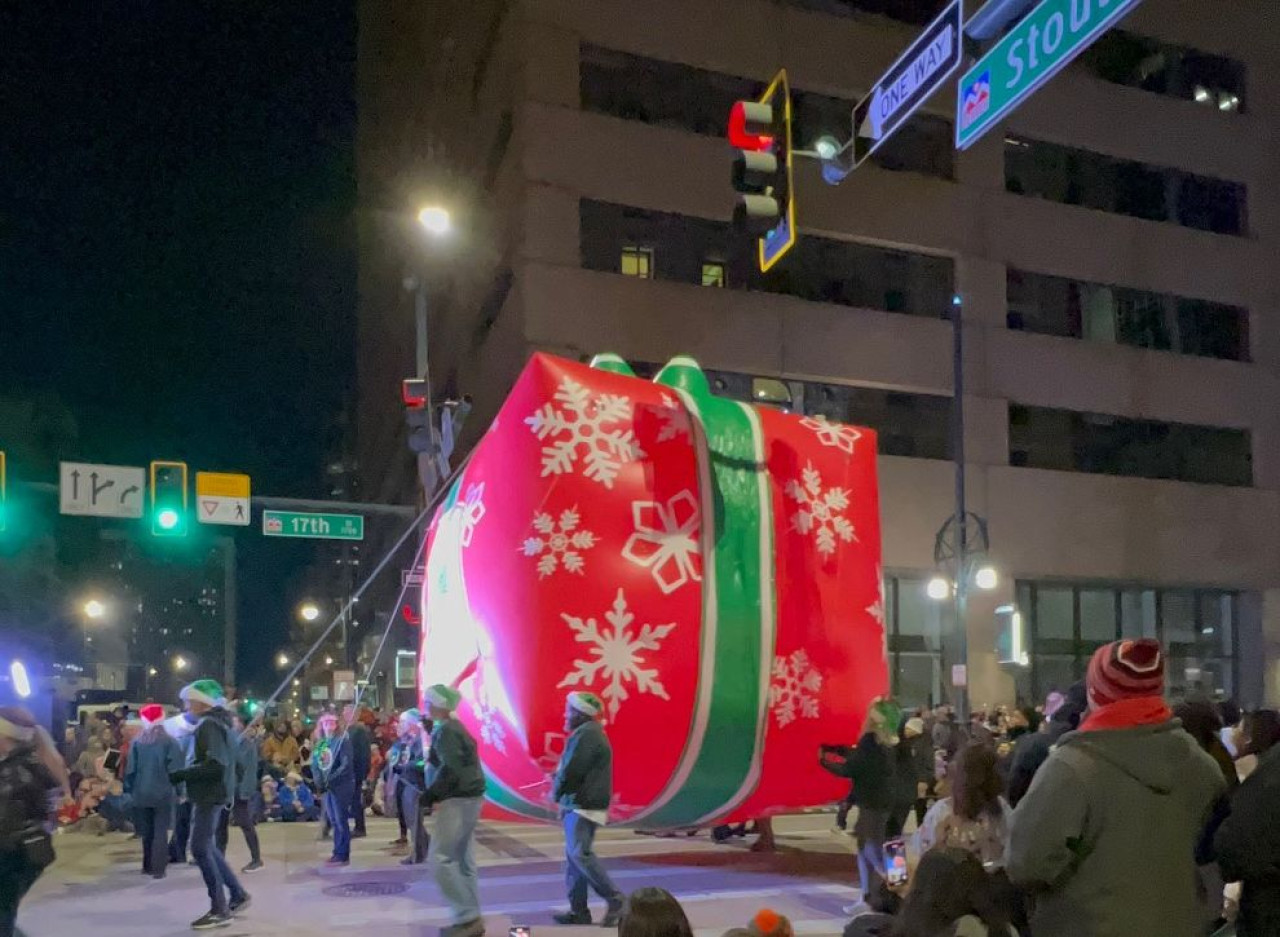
(1113, 245)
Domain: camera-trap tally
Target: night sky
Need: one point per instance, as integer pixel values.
(177, 258)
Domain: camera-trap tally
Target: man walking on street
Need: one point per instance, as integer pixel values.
(584, 789)
(331, 766)
(405, 774)
(361, 743)
(455, 792)
(211, 787)
(1105, 840)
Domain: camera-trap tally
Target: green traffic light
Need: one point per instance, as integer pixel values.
(167, 519)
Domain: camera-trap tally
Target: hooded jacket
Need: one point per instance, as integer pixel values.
(211, 777)
(1248, 847)
(584, 780)
(453, 764)
(1105, 839)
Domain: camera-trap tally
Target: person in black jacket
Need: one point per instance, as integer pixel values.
(333, 764)
(1031, 751)
(361, 743)
(25, 784)
(405, 776)
(211, 787)
(1248, 848)
(583, 791)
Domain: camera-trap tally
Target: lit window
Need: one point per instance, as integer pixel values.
(713, 273)
(637, 262)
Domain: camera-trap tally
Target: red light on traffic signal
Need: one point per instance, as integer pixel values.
(738, 135)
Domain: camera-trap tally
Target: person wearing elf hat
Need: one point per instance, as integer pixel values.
(153, 757)
(211, 788)
(583, 788)
(454, 792)
(1105, 840)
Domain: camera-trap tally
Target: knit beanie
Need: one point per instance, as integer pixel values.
(586, 703)
(769, 923)
(443, 697)
(151, 714)
(410, 717)
(914, 727)
(204, 691)
(1125, 670)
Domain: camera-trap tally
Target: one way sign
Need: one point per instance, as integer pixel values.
(222, 498)
(101, 490)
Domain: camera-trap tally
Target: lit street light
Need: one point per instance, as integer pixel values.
(282, 660)
(180, 663)
(328, 661)
(939, 588)
(986, 578)
(94, 609)
(151, 671)
(308, 611)
(435, 219)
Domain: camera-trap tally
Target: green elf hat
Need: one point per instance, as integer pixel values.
(586, 703)
(208, 692)
(883, 718)
(443, 697)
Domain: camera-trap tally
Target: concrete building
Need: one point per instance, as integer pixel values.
(1114, 248)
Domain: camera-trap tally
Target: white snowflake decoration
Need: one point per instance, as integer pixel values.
(617, 656)
(675, 422)
(560, 543)
(793, 692)
(492, 732)
(832, 434)
(666, 540)
(820, 511)
(581, 423)
(876, 608)
(472, 508)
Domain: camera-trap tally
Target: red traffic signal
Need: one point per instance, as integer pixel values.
(751, 126)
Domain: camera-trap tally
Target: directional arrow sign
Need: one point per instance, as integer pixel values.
(920, 71)
(222, 498)
(1043, 43)
(101, 490)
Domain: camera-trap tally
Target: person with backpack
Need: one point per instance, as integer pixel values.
(973, 816)
(26, 848)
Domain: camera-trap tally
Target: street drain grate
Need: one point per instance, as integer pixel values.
(367, 889)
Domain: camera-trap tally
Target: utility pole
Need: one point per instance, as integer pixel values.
(229, 613)
(957, 441)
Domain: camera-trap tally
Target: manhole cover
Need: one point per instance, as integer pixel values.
(367, 889)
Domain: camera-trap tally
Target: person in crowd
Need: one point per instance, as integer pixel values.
(952, 896)
(1230, 717)
(947, 734)
(583, 789)
(182, 729)
(361, 743)
(455, 792)
(1200, 719)
(90, 761)
(153, 757)
(1105, 840)
(334, 773)
(280, 751)
(406, 771)
(247, 768)
(973, 816)
(268, 799)
(1031, 751)
(1247, 847)
(653, 912)
(912, 772)
(211, 787)
(875, 918)
(294, 800)
(769, 923)
(1258, 733)
(870, 767)
(26, 849)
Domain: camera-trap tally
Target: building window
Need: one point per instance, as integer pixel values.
(637, 262)
(1160, 68)
(1064, 440)
(1078, 309)
(712, 273)
(1091, 180)
(914, 625)
(1067, 622)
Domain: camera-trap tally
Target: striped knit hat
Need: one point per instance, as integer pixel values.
(1125, 670)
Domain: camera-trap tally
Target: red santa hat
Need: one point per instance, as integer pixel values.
(151, 714)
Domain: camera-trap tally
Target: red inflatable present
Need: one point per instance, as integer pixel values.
(708, 568)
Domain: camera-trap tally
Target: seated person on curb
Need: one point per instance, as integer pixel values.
(295, 801)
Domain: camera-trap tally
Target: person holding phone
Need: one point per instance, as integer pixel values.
(583, 788)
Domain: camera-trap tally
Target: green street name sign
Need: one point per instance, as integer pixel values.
(313, 526)
(1041, 45)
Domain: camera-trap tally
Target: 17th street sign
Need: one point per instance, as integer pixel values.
(1041, 45)
(908, 83)
(312, 526)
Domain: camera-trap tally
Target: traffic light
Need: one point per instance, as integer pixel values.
(417, 415)
(168, 499)
(762, 171)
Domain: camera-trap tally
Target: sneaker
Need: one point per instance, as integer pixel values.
(211, 921)
(334, 861)
(157, 875)
(572, 918)
(856, 908)
(255, 866)
(240, 904)
(402, 841)
(470, 929)
(613, 914)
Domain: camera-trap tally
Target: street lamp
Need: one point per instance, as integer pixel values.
(986, 578)
(328, 661)
(939, 588)
(180, 663)
(151, 671)
(282, 660)
(435, 220)
(94, 609)
(309, 611)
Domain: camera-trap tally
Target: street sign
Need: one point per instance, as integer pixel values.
(1044, 42)
(908, 83)
(313, 526)
(222, 498)
(344, 685)
(412, 578)
(101, 490)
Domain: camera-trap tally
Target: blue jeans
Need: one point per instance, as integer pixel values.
(337, 807)
(582, 865)
(452, 855)
(213, 864)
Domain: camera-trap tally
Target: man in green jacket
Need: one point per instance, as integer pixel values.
(455, 793)
(583, 789)
(1105, 839)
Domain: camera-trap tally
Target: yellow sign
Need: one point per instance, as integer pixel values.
(222, 498)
